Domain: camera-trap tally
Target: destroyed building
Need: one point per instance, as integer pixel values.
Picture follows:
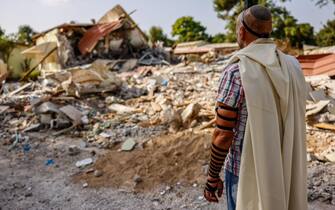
(115, 37)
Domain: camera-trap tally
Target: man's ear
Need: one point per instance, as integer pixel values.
(242, 33)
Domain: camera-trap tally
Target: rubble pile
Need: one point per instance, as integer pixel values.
(108, 108)
(320, 116)
(102, 83)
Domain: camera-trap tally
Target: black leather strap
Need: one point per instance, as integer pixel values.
(230, 119)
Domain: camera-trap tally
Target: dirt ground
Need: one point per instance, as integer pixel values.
(171, 174)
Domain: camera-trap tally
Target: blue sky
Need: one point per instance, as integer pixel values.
(43, 14)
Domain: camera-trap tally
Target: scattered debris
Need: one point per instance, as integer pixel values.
(137, 179)
(98, 173)
(128, 145)
(73, 150)
(190, 113)
(85, 162)
(121, 109)
(103, 84)
(316, 108)
(49, 162)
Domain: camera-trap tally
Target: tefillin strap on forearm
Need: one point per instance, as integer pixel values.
(227, 121)
(218, 156)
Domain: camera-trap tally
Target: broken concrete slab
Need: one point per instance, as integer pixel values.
(121, 109)
(129, 65)
(316, 108)
(46, 107)
(330, 157)
(98, 173)
(318, 95)
(3, 109)
(128, 145)
(74, 114)
(326, 118)
(190, 113)
(84, 162)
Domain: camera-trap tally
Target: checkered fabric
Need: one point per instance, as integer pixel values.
(231, 93)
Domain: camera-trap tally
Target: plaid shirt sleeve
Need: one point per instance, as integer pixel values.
(230, 87)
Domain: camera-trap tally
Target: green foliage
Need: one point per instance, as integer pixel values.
(187, 29)
(285, 26)
(326, 36)
(156, 34)
(25, 34)
(218, 38)
(6, 45)
(2, 32)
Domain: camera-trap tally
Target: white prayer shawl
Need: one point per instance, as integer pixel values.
(273, 162)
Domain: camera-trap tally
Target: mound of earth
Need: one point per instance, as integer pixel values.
(165, 160)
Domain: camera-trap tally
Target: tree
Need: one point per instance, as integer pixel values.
(25, 34)
(187, 29)
(218, 38)
(285, 26)
(156, 34)
(2, 32)
(6, 45)
(326, 36)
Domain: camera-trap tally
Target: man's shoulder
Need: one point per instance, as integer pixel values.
(234, 67)
(232, 70)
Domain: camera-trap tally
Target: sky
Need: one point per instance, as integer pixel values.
(44, 14)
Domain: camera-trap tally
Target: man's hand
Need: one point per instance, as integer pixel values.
(213, 186)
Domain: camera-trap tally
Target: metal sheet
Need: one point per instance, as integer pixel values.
(94, 34)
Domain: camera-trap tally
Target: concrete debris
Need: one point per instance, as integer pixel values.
(73, 150)
(3, 109)
(106, 86)
(74, 114)
(128, 145)
(316, 108)
(115, 37)
(318, 95)
(98, 173)
(190, 113)
(121, 109)
(84, 163)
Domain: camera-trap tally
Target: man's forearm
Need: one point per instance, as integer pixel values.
(219, 150)
(222, 138)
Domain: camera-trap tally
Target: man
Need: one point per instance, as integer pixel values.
(260, 109)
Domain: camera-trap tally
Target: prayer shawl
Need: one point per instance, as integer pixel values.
(273, 162)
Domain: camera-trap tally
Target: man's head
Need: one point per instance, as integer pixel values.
(253, 23)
